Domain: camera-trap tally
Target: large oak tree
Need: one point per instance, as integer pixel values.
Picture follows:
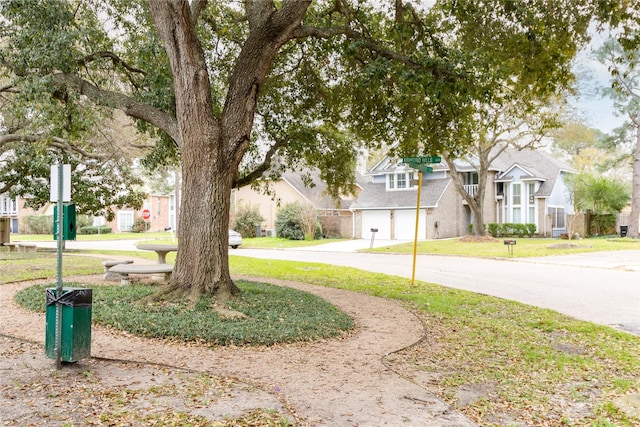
(239, 90)
(622, 61)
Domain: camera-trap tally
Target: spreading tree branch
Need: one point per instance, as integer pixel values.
(257, 172)
(55, 142)
(126, 104)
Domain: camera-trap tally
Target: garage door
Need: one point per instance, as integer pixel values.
(379, 219)
(405, 225)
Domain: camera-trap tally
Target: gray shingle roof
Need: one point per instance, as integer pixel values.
(375, 195)
(317, 194)
(538, 163)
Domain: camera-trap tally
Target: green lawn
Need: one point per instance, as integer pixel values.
(20, 266)
(524, 247)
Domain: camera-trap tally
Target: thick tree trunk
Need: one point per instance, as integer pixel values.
(475, 203)
(634, 216)
(202, 264)
(212, 147)
(477, 214)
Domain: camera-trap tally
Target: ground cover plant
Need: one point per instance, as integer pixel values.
(522, 364)
(262, 315)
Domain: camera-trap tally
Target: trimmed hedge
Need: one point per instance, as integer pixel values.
(511, 230)
(94, 230)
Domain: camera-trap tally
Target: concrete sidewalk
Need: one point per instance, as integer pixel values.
(352, 245)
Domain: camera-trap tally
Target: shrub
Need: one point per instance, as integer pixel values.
(510, 229)
(83, 221)
(248, 219)
(94, 230)
(494, 229)
(140, 226)
(295, 222)
(39, 224)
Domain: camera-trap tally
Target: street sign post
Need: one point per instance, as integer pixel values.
(420, 163)
(60, 191)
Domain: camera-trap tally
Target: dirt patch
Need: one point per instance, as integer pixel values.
(338, 382)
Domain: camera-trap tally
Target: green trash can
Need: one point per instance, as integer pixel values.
(76, 306)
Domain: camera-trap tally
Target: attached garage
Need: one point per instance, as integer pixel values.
(397, 224)
(380, 219)
(405, 224)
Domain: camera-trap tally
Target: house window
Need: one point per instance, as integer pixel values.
(471, 178)
(516, 202)
(532, 203)
(125, 220)
(400, 181)
(558, 217)
(517, 193)
(470, 182)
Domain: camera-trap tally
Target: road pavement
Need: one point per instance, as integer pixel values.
(600, 287)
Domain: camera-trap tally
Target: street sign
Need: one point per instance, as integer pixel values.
(422, 159)
(54, 183)
(146, 214)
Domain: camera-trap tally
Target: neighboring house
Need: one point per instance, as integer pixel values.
(161, 207)
(522, 187)
(9, 209)
(335, 216)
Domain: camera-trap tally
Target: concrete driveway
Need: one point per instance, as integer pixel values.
(600, 287)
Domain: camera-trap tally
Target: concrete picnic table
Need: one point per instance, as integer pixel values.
(161, 250)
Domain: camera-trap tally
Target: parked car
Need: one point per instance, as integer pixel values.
(235, 239)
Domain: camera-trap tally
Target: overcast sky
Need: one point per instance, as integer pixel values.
(594, 109)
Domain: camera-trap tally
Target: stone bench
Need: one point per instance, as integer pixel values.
(108, 275)
(27, 247)
(13, 247)
(126, 269)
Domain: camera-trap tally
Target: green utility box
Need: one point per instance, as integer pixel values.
(68, 221)
(76, 306)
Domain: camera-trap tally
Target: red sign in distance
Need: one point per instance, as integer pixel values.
(146, 214)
